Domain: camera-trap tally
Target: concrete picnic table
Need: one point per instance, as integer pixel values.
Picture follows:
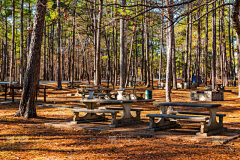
(121, 91)
(212, 125)
(126, 119)
(91, 91)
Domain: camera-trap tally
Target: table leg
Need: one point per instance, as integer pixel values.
(161, 123)
(120, 95)
(127, 118)
(212, 124)
(88, 117)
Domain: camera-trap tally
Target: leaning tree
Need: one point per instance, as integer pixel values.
(31, 77)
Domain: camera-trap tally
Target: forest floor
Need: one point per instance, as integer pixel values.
(51, 136)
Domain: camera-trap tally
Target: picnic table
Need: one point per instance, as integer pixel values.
(91, 91)
(128, 96)
(82, 88)
(164, 122)
(126, 119)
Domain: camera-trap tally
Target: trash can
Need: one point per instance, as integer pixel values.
(185, 85)
(130, 84)
(148, 94)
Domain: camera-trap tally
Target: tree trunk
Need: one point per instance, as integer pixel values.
(198, 50)
(122, 49)
(146, 34)
(59, 75)
(213, 69)
(223, 47)
(31, 78)
(187, 43)
(206, 49)
(97, 78)
(190, 51)
(173, 71)
(21, 45)
(161, 50)
(170, 36)
(5, 53)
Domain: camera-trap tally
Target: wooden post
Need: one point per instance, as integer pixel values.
(44, 93)
(5, 92)
(12, 87)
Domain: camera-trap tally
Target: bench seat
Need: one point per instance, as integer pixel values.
(93, 110)
(137, 110)
(117, 108)
(165, 123)
(92, 113)
(196, 113)
(220, 115)
(195, 118)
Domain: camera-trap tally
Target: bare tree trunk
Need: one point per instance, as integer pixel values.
(190, 51)
(146, 34)
(59, 75)
(238, 56)
(142, 42)
(161, 50)
(170, 36)
(213, 69)
(52, 42)
(230, 45)
(21, 45)
(223, 47)
(97, 78)
(12, 47)
(187, 43)
(122, 49)
(206, 49)
(44, 53)
(173, 71)
(198, 50)
(31, 78)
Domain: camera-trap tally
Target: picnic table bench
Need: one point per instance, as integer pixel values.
(137, 110)
(91, 115)
(169, 120)
(126, 119)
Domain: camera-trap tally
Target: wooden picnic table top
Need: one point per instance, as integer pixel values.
(184, 104)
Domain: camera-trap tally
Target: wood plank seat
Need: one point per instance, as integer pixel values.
(172, 124)
(91, 113)
(137, 110)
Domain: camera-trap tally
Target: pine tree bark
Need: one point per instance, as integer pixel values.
(97, 78)
(146, 34)
(170, 36)
(213, 67)
(122, 49)
(190, 51)
(21, 45)
(31, 78)
(59, 75)
(161, 50)
(206, 49)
